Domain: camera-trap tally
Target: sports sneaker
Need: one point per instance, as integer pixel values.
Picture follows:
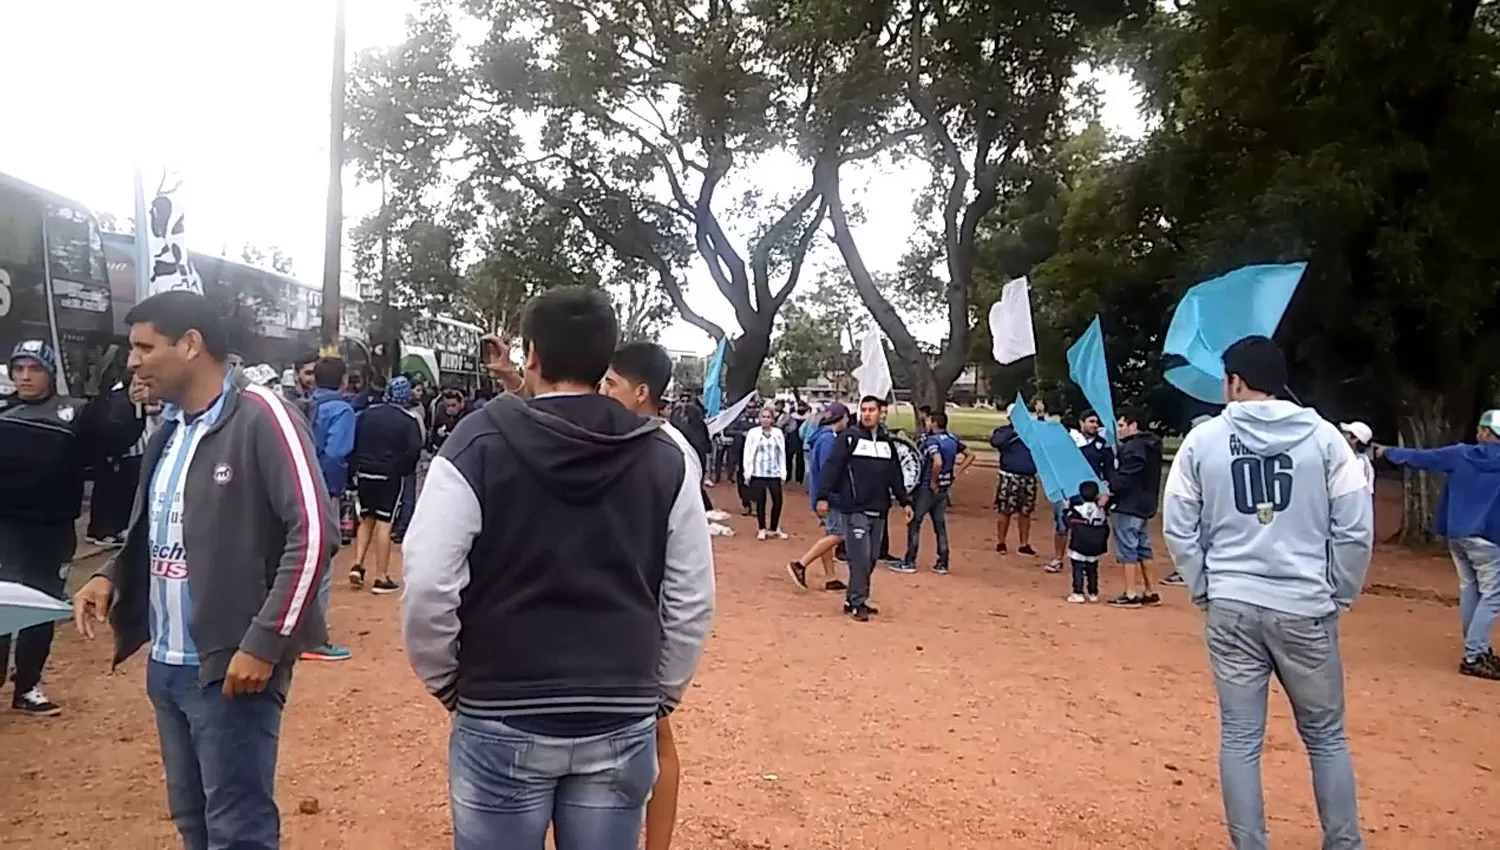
(1126, 601)
(1174, 579)
(798, 573)
(832, 584)
(357, 576)
(327, 652)
(1151, 600)
(1000, 547)
(383, 586)
(859, 613)
(1026, 550)
(779, 534)
(1077, 598)
(1093, 597)
(902, 567)
(717, 515)
(35, 704)
(1483, 667)
(762, 534)
(869, 609)
(939, 569)
(1054, 566)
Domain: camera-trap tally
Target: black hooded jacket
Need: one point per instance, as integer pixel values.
(1135, 483)
(562, 603)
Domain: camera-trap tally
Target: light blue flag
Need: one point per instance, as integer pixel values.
(1217, 313)
(1089, 370)
(1059, 463)
(713, 394)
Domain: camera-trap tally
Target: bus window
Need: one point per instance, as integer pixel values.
(20, 232)
(74, 246)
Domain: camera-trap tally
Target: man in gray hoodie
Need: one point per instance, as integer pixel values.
(1267, 518)
(219, 573)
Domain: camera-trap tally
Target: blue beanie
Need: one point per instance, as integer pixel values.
(35, 349)
(398, 391)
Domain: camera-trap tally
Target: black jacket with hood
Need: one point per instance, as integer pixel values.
(863, 473)
(1135, 484)
(558, 566)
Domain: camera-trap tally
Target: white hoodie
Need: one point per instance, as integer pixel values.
(1266, 504)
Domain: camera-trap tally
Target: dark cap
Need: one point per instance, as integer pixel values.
(834, 412)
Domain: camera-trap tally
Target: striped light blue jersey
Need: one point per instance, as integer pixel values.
(171, 596)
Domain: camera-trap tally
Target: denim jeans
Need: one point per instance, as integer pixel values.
(506, 786)
(1478, 563)
(404, 508)
(862, 538)
(1246, 644)
(220, 757)
(936, 505)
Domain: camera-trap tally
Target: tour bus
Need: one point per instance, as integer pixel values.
(63, 281)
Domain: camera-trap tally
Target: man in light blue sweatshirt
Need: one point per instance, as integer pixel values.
(1267, 519)
(1468, 515)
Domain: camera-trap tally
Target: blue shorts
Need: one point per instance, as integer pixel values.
(1059, 522)
(1132, 538)
(835, 523)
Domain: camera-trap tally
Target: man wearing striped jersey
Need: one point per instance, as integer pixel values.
(219, 573)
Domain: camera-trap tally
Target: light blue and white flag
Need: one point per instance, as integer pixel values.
(1217, 313)
(1090, 371)
(713, 393)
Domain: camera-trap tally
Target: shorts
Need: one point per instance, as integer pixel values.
(377, 497)
(1059, 518)
(1132, 538)
(1015, 494)
(835, 523)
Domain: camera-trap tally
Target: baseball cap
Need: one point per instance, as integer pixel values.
(1358, 430)
(1490, 419)
(398, 391)
(834, 412)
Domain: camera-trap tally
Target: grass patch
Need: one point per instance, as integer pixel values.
(973, 425)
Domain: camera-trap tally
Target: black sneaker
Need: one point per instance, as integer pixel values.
(1173, 579)
(34, 703)
(1025, 550)
(1000, 547)
(834, 584)
(1124, 601)
(383, 586)
(901, 567)
(940, 569)
(867, 607)
(798, 573)
(357, 576)
(1483, 667)
(860, 613)
(1151, 600)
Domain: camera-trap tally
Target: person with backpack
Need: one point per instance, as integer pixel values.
(942, 457)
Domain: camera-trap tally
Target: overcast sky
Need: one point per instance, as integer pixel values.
(238, 107)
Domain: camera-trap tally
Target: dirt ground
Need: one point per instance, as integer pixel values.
(977, 711)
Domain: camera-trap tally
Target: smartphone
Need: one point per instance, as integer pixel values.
(489, 351)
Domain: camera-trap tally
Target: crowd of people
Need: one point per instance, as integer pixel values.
(239, 478)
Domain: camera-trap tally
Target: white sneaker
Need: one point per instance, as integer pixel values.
(717, 515)
(779, 534)
(762, 534)
(1076, 598)
(35, 703)
(717, 530)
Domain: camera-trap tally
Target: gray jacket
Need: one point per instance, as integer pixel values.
(258, 532)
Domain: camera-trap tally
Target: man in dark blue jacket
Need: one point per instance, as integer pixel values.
(864, 475)
(387, 447)
(834, 418)
(1134, 493)
(331, 420)
(1015, 489)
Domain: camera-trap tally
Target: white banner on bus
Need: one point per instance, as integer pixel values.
(163, 233)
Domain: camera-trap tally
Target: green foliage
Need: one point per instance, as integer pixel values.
(804, 350)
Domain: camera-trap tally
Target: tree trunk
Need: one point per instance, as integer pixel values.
(746, 355)
(1424, 425)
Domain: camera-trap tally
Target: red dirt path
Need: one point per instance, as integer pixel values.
(977, 711)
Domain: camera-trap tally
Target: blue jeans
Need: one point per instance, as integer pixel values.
(1132, 539)
(933, 504)
(1246, 644)
(220, 758)
(1478, 563)
(506, 786)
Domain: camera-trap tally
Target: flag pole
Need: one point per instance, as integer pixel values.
(142, 242)
(333, 223)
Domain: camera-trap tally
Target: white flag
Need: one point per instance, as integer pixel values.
(166, 245)
(874, 373)
(1011, 335)
(721, 420)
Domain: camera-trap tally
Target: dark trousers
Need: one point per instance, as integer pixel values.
(928, 503)
(760, 488)
(723, 461)
(404, 508)
(737, 471)
(1085, 576)
(862, 540)
(38, 557)
(885, 537)
(220, 757)
(795, 459)
(114, 496)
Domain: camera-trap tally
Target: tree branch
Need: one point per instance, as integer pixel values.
(760, 254)
(799, 254)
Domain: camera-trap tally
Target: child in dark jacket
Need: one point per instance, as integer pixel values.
(1088, 540)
